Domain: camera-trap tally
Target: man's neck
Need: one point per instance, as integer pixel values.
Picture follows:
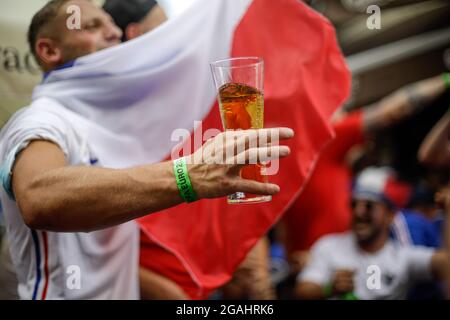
(66, 65)
(376, 245)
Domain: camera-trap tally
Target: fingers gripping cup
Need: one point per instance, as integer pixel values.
(240, 86)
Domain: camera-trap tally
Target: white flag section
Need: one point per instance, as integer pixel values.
(130, 98)
(173, 8)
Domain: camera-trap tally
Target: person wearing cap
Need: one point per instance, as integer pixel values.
(364, 263)
(308, 219)
(135, 17)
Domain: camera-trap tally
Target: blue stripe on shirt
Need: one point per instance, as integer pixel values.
(38, 262)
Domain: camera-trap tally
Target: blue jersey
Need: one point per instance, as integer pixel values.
(412, 228)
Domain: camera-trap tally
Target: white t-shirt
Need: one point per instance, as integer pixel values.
(386, 274)
(52, 265)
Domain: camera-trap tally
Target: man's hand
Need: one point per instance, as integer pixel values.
(343, 282)
(298, 260)
(214, 169)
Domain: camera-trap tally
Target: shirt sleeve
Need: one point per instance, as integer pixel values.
(28, 126)
(419, 263)
(349, 132)
(318, 270)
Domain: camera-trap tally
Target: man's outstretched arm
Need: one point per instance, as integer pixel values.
(57, 197)
(435, 149)
(403, 103)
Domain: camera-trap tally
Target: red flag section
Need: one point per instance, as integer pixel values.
(200, 245)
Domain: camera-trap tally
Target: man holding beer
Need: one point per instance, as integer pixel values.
(54, 191)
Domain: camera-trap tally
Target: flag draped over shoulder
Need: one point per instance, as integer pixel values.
(132, 97)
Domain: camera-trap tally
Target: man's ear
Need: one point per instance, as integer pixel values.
(133, 30)
(48, 52)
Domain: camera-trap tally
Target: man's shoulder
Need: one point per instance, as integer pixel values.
(334, 240)
(40, 111)
(40, 108)
(43, 118)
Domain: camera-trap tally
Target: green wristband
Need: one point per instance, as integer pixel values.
(183, 181)
(446, 79)
(328, 290)
(349, 296)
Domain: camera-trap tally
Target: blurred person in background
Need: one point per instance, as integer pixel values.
(252, 279)
(322, 208)
(418, 220)
(364, 263)
(419, 224)
(435, 149)
(135, 17)
(435, 152)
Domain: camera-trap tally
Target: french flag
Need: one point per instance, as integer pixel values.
(200, 245)
(132, 98)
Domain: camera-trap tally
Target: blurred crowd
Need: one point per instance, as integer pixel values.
(371, 222)
(367, 226)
